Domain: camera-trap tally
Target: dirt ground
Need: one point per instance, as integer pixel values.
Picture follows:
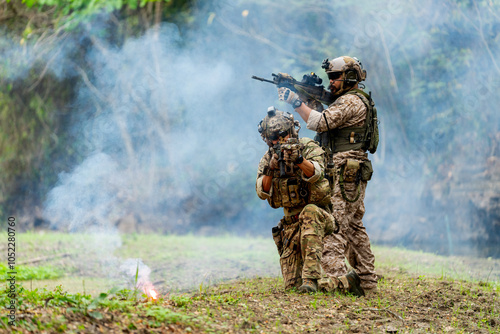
(417, 294)
(403, 304)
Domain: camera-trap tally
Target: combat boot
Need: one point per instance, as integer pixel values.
(355, 284)
(309, 285)
(371, 291)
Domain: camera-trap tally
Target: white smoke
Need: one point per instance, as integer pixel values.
(168, 120)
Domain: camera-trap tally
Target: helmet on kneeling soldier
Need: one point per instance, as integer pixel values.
(278, 124)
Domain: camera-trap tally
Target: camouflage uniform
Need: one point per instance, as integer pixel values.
(352, 240)
(306, 204)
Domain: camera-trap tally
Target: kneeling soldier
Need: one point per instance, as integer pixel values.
(292, 175)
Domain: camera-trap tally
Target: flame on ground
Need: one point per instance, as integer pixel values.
(150, 291)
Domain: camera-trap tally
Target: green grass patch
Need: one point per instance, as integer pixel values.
(232, 284)
(24, 273)
(121, 309)
(187, 261)
(485, 270)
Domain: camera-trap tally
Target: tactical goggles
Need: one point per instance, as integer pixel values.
(277, 135)
(334, 75)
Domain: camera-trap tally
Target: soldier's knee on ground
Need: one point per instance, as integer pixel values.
(336, 284)
(349, 283)
(326, 284)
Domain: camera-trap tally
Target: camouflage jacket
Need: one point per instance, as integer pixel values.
(348, 110)
(294, 191)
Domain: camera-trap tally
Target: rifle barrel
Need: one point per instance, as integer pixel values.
(262, 79)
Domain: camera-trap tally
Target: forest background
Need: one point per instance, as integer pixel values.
(141, 115)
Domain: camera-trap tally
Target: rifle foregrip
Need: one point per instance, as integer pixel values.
(281, 162)
(282, 169)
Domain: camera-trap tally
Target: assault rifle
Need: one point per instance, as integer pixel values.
(309, 88)
(279, 150)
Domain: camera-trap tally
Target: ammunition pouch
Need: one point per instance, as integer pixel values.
(354, 171)
(366, 170)
(289, 192)
(342, 140)
(351, 171)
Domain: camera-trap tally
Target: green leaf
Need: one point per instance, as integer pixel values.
(132, 4)
(137, 273)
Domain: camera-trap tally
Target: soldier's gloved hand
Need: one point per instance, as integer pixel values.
(273, 163)
(291, 153)
(287, 95)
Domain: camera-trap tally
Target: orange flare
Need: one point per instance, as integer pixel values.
(150, 291)
(153, 294)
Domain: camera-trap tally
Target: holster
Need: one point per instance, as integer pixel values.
(330, 173)
(278, 237)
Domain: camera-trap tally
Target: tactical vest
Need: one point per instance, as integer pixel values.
(354, 137)
(291, 191)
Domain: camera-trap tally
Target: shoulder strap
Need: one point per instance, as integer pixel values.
(366, 98)
(359, 91)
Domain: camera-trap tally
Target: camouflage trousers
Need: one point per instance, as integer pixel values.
(300, 245)
(352, 241)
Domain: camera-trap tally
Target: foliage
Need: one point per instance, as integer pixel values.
(30, 137)
(415, 289)
(123, 306)
(404, 301)
(24, 273)
(69, 14)
(36, 143)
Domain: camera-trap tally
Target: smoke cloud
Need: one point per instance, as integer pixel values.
(167, 121)
(174, 113)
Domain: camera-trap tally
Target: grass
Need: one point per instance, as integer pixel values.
(25, 273)
(454, 267)
(186, 261)
(232, 285)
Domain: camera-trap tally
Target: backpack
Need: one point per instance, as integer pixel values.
(371, 137)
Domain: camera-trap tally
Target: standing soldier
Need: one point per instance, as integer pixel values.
(346, 130)
(291, 175)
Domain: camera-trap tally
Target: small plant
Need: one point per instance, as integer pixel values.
(181, 301)
(347, 324)
(165, 315)
(314, 303)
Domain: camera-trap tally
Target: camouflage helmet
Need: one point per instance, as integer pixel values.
(278, 124)
(350, 67)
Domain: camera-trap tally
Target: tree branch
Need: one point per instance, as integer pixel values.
(261, 39)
